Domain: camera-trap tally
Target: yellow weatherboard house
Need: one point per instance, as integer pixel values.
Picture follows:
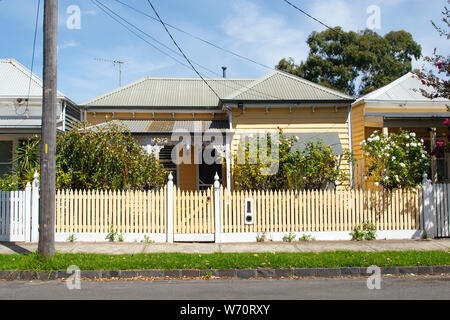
(157, 109)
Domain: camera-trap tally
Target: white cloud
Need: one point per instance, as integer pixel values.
(263, 35)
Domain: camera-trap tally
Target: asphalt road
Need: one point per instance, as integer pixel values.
(398, 288)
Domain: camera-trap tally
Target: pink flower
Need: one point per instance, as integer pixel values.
(439, 144)
(446, 121)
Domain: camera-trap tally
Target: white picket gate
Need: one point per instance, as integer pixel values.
(19, 214)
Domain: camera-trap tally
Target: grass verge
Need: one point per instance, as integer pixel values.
(329, 259)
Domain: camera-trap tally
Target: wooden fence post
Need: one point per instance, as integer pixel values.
(217, 208)
(429, 210)
(35, 209)
(170, 209)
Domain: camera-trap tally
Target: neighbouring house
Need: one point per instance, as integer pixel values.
(401, 105)
(21, 109)
(155, 109)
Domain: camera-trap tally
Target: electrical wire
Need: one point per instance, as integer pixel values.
(176, 44)
(197, 37)
(151, 37)
(104, 8)
(98, 4)
(310, 16)
(27, 110)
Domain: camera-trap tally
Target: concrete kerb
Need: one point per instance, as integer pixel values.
(17, 275)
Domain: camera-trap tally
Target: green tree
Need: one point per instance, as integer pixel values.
(342, 60)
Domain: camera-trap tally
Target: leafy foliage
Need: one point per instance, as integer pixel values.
(315, 167)
(366, 231)
(396, 161)
(108, 158)
(342, 59)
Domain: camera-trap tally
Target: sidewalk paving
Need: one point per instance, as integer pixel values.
(297, 246)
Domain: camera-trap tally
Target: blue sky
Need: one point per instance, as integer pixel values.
(265, 31)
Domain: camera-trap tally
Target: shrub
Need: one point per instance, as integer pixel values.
(366, 231)
(108, 158)
(314, 167)
(395, 161)
(289, 237)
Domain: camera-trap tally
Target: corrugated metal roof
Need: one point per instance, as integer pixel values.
(169, 126)
(279, 85)
(169, 93)
(154, 92)
(404, 89)
(15, 79)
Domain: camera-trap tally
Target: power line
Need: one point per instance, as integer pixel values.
(176, 44)
(197, 37)
(310, 16)
(219, 82)
(32, 57)
(139, 36)
(148, 35)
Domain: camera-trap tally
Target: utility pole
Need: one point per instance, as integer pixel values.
(114, 62)
(46, 245)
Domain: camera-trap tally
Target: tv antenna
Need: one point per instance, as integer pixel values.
(114, 62)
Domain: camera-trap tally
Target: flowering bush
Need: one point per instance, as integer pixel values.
(395, 161)
(315, 167)
(442, 144)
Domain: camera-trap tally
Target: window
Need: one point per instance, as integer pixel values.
(6, 152)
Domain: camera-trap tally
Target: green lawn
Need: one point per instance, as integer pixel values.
(329, 259)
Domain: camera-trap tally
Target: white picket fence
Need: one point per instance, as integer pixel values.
(169, 215)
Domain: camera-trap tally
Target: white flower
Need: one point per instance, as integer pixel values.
(386, 178)
(376, 184)
(393, 158)
(407, 145)
(365, 177)
(396, 178)
(402, 165)
(412, 134)
(413, 144)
